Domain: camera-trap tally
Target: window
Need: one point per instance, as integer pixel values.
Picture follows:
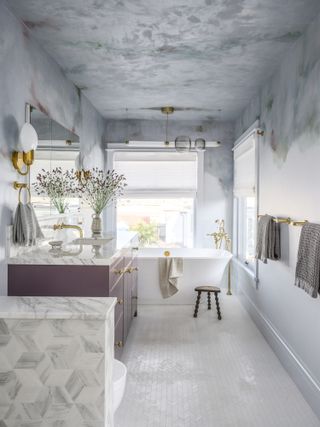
(245, 198)
(159, 199)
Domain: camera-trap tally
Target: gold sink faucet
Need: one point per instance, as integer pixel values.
(75, 227)
(221, 235)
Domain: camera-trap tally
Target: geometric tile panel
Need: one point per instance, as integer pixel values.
(54, 373)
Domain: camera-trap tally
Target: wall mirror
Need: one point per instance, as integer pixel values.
(57, 147)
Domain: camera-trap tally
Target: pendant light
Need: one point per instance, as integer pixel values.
(167, 110)
(200, 144)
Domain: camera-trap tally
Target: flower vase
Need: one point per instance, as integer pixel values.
(96, 225)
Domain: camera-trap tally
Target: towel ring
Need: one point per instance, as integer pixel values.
(29, 193)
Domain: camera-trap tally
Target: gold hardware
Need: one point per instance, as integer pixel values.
(166, 253)
(118, 271)
(20, 186)
(260, 132)
(298, 223)
(128, 270)
(220, 235)
(119, 344)
(83, 175)
(20, 159)
(74, 227)
(288, 221)
(135, 269)
(120, 301)
(167, 110)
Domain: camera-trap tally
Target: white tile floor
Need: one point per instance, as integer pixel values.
(186, 372)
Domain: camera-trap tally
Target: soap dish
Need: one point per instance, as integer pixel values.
(56, 244)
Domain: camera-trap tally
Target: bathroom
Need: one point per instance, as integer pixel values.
(208, 114)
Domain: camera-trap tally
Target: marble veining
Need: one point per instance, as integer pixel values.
(55, 308)
(76, 254)
(56, 362)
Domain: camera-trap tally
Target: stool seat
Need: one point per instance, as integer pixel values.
(207, 289)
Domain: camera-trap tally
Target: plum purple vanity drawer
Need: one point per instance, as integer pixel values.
(58, 280)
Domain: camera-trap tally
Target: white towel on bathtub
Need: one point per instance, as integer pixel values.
(170, 270)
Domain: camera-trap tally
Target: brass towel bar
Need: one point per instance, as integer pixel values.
(288, 221)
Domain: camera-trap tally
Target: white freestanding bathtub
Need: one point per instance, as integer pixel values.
(200, 267)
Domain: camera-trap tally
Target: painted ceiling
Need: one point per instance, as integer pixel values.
(207, 57)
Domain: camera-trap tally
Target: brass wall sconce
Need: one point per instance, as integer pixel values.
(83, 175)
(22, 160)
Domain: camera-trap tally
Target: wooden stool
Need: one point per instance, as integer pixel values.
(207, 289)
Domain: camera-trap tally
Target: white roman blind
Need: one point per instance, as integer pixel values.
(148, 172)
(245, 167)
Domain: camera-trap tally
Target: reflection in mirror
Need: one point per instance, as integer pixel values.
(57, 147)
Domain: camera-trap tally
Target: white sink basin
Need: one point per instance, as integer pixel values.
(94, 241)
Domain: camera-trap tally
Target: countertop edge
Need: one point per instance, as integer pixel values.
(51, 314)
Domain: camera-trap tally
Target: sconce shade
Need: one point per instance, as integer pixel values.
(182, 143)
(28, 138)
(200, 144)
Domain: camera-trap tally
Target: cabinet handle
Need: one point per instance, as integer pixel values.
(119, 344)
(135, 248)
(128, 270)
(120, 301)
(135, 269)
(134, 297)
(118, 271)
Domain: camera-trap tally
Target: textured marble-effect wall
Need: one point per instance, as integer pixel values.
(214, 196)
(28, 74)
(289, 108)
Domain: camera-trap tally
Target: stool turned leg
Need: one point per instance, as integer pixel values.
(196, 309)
(217, 304)
(209, 301)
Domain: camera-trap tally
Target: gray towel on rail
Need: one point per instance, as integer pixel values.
(26, 228)
(170, 270)
(268, 239)
(36, 230)
(308, 263)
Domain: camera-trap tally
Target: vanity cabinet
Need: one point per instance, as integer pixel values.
(117, 280)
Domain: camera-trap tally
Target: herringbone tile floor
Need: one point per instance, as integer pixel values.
(186, 372)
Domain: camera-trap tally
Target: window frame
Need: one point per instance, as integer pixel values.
(239, 200)
(166, 193)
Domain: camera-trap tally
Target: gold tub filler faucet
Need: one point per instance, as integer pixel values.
(221, 235)
(218, 237)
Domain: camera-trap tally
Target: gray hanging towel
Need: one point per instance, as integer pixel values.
(36, 230)
(170, 270)
(308, 263)
(26, 228)
(268, 239)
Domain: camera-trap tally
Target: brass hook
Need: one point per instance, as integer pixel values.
(19, 186)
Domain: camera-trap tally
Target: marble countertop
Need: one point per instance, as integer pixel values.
(74, 254)
(81, 308)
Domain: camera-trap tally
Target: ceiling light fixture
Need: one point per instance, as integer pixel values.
(182, 143)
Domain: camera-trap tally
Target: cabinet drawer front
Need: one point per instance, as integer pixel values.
(115, 272)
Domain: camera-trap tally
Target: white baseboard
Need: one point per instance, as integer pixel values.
(308, 385)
